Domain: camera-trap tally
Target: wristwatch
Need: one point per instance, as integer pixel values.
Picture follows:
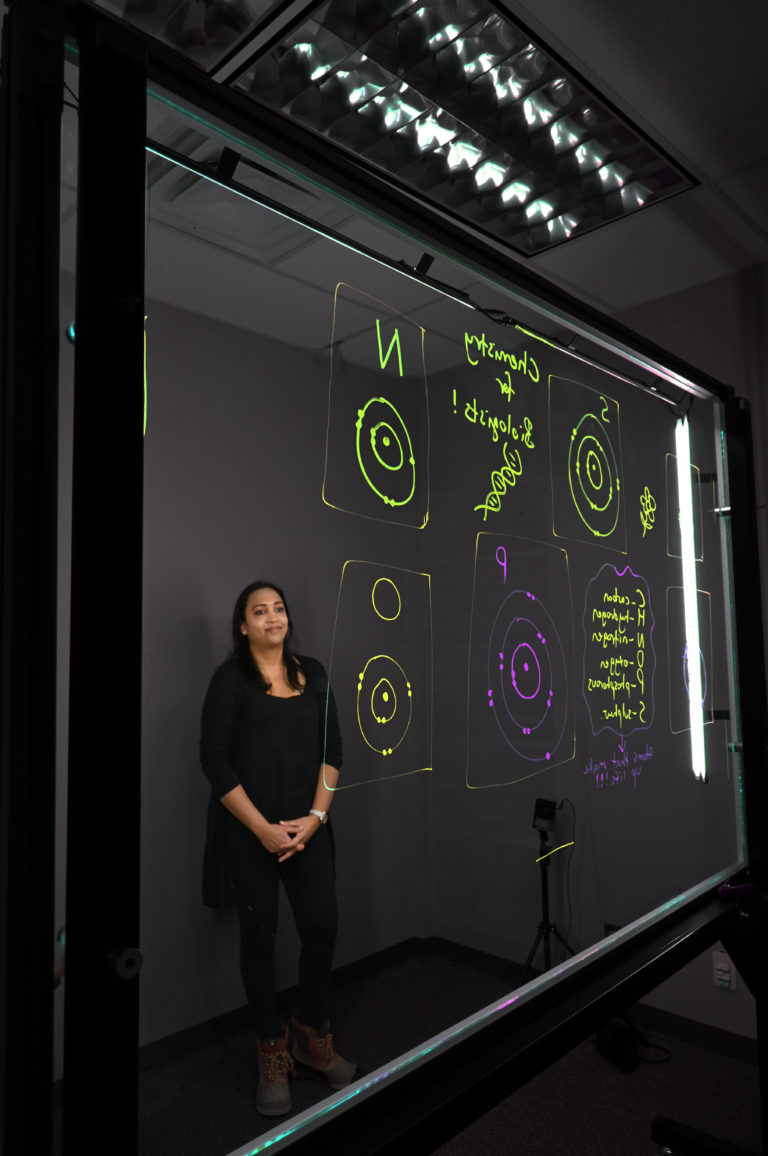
(322, 815)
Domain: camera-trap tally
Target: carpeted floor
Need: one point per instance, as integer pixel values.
(584, 1106)
(204, 1105)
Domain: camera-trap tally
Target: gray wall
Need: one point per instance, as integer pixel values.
(225, 501)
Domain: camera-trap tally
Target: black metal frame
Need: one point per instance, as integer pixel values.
(434, 1099)
(30, 149)
(103, 822)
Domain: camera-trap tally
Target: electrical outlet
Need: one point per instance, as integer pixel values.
(724, 971)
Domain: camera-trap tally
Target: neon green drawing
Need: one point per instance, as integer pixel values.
(395, 341)
(381, 686)
(399, 599)
(385, 698)
(387, 460)
(501, 479)
(553, 851)
(386, 443)
(379, 713)
(647, 510)
(594, 471)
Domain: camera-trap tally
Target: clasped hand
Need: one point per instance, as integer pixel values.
(288, 836)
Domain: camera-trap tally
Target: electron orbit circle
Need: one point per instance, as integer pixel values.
(527, 677)
(593, 476)
(384, 703)
(383, 439)
(399, 600)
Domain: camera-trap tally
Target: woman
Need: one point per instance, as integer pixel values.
(269, 720)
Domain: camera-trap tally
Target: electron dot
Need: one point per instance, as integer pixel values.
(500, 655)
(547, 754)
(389, 752)
(490, 694)
(525, 666)
(409, 694)
(360, 675)
(490, 702)
(359, 686)
(501, 666)
(544, 641)
(386, 696)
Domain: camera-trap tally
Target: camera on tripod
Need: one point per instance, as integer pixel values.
(544, 813)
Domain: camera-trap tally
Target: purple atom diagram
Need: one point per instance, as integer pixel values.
(527, 677)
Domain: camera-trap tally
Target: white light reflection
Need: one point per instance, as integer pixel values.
(321, 66)
(396, 112)
(517, 189)
(590, 157)
(562, 227)
(540, 208)
(562, 136)
(634, 196)
(509, 88)
(450, 32)
(690, 596)
(490, 174)
(462, 155)
(431, 134)
(536, 111)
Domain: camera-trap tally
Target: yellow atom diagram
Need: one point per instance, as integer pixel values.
(383, 700)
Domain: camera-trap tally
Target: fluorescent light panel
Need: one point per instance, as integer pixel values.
(458, 103)
(690, 598)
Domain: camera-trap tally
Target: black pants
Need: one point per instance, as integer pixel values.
(309, 881)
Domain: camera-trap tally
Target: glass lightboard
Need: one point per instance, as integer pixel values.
(511, 563)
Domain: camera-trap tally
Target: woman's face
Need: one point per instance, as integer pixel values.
(266, 620)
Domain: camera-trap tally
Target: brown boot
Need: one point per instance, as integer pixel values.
(318, 1053)
(273, 1096)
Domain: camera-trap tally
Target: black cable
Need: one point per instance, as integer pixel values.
(72, 94)
(641, 1034)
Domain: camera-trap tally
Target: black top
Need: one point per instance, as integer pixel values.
(271, 746)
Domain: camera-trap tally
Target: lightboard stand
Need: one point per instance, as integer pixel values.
(546, 927)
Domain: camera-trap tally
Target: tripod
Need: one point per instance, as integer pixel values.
(546, 928)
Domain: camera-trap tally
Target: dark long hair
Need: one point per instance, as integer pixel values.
(241, 649)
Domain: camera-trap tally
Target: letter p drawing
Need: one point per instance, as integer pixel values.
(502, 561)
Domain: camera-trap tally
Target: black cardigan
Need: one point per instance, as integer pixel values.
(271, 746)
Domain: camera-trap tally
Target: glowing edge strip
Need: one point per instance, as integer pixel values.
(310, 1119)
(690, 596)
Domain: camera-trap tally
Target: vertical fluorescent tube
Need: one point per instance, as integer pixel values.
(690, 597)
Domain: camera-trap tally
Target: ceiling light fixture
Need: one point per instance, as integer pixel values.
(456, 101)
